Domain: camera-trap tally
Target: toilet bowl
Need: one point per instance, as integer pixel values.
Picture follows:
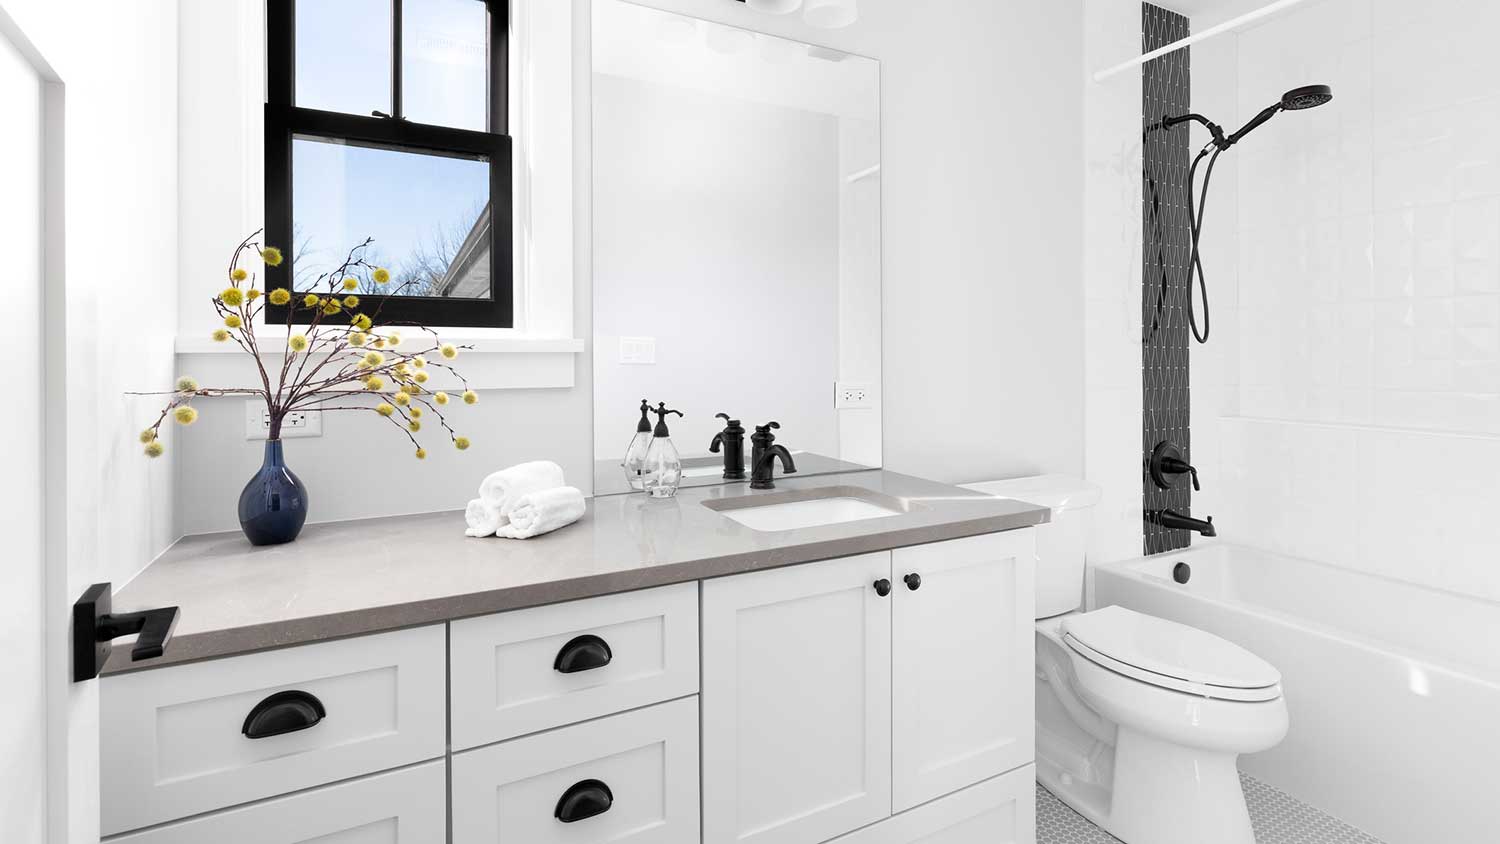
(1139, 720)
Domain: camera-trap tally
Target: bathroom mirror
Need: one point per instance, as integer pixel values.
(736, 241)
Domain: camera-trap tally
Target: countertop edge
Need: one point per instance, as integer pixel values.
(270, 636)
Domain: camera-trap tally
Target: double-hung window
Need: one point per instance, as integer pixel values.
(386, 119)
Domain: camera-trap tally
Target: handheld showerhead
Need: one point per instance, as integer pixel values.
(1308, 96)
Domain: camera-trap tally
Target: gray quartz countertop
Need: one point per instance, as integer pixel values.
(351, 578)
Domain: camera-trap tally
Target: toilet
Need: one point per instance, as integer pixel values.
(1139, 720)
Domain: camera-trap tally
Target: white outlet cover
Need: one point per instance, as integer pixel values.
(300, 423)
(853, 395)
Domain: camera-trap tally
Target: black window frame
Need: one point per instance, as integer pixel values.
(284, 120)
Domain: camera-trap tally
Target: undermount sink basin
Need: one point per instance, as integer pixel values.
(702, 471)
(806, 508)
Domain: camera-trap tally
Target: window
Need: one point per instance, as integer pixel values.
(386, 119)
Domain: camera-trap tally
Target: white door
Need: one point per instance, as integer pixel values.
(23, 586)
(963, 658)
(796, 702)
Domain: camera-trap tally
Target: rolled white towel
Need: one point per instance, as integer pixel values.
(543, 512)
(483, 519)
(504, 488)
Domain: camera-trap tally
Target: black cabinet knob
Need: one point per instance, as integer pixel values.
(583, 653)
(583, 800)
(882, 587)
(284, 712)
(913, 581)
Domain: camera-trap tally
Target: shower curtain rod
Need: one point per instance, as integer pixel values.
(1233, 23)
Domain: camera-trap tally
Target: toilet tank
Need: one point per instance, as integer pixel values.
(1061, 543)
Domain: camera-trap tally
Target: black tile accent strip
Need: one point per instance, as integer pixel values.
(1165, 90)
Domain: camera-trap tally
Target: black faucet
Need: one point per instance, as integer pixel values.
(763, 454)
(1176, 521)
(732, 439)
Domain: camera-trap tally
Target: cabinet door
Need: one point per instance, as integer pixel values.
(796, 702)
(626, 779)
(997, 811)
(963, 657)
(408, 806)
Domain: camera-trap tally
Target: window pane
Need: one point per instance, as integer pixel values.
(344, 55)
(429, 216)
(444, 63)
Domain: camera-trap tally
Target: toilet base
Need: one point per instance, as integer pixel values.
(1160, 794)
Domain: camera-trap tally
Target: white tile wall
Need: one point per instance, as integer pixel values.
(1367, 373)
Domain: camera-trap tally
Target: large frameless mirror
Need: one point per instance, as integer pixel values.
(736, 225)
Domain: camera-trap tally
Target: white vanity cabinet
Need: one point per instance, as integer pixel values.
(884, 698)
(838, 693)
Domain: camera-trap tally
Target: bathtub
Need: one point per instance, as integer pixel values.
(1393, 688)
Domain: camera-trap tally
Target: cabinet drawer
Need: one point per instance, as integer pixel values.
(997, 811)
(646, 761)
(507, 677)
(172, 740)
(401, 807)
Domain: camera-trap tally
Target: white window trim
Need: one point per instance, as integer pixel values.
(540, 351)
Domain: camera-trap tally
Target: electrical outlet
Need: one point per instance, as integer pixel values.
(852, 396)
(298, 423)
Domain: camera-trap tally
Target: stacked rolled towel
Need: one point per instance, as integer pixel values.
(528, 499)
(543, 512)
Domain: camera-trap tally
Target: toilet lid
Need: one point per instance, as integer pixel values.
(1168, 649)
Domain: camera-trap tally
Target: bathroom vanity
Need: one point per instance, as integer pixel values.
(657, 672)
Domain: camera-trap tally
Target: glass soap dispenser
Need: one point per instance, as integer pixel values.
(663, 465)
(635, 455)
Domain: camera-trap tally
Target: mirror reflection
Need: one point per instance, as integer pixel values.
(736, 224)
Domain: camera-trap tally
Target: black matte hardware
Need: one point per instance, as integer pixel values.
(584, 800)
(95, 626)
(1182, 572)
(913, 581)
(1167, 466)
(732, 439)
(282, 713)
(882, 587)
(1174, 520)
(583, 653)
(764, 452)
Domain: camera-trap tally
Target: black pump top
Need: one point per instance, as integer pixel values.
(644, 426)
(662, 412)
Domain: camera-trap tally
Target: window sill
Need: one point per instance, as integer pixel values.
(499, 359)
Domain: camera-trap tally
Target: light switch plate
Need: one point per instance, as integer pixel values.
(638, 350)
(298, 423)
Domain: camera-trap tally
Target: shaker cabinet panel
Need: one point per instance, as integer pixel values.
(963, 661)
(187, 739)
(529, 670)
(408, 806)
(626, 779)
(796, 702)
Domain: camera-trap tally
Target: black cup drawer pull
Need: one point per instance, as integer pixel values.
(584, 800)
(284, 712)
(583, 653)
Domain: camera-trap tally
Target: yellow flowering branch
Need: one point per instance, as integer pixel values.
(351, 359)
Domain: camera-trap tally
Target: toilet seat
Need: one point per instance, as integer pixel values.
(1170, 655)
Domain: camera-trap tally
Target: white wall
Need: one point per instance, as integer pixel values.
(1367, 432)
(118, 66)
(982, 213)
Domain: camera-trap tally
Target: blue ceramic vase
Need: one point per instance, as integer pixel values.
(273, 505)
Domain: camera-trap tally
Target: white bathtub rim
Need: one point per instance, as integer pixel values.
(1452, 669)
